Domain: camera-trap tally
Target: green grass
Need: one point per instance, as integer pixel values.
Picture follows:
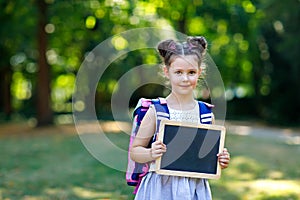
(57, 166)
(261, 169)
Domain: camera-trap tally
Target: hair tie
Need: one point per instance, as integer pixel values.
(172, 46)
(192, 46)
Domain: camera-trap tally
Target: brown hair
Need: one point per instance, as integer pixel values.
(196, 45)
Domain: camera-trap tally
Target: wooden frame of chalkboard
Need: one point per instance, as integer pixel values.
(191, 149)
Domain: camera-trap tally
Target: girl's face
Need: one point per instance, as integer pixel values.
(183, 74)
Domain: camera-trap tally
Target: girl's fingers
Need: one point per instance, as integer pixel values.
(224, 158)
(226, 161)
(224, 154)
(157, 149)
(158, 145)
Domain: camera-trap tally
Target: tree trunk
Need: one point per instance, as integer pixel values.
(5, 102)
(183, 20)
(44, 112)
(7, 93)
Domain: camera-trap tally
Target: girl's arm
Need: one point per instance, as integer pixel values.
(139, 151)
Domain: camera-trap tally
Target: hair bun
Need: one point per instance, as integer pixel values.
(198, 41)
(165, 46)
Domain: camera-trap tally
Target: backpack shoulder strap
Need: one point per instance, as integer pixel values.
(162, 112)
(161, 108)
(141, 109)
(206, 114)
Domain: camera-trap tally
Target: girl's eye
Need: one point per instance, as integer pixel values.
(178, 72)
(192, 72)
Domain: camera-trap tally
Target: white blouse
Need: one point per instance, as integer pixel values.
(191, 116)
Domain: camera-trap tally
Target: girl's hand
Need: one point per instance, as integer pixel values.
(157, 149)
(224, 158)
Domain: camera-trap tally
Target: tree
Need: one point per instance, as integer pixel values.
(280, 51)
(14, 41)
(253, 43)
(44, 112)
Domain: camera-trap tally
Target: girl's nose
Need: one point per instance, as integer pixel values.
(185, 77)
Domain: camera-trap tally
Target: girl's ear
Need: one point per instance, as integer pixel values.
(166, 71)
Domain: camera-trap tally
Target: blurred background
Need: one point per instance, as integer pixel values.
(254, 43)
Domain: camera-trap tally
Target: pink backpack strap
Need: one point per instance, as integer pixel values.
(162, 100)
(145, 102)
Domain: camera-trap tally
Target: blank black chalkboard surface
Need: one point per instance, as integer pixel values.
(191, 149)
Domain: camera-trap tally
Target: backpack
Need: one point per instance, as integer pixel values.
(136, 171)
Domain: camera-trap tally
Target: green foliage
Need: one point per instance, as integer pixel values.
(281, 68)
(254, 44)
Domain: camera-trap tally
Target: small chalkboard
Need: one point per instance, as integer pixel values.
(191, 149)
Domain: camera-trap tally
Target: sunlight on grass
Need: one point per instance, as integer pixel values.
(266, 189)
(273, 174)
(260, 169)
(106, 127)
(32, 198)
(277, 186)
(55, 192)
(244, 168)
(86, 193)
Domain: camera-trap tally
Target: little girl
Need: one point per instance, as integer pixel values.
(182, 63)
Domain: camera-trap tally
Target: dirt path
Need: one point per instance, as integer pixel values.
(289, 135)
